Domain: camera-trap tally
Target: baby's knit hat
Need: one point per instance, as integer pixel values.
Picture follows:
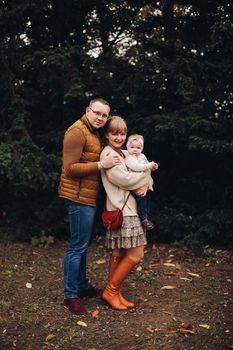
(135, 137)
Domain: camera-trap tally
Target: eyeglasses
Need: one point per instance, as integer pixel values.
(99, 114)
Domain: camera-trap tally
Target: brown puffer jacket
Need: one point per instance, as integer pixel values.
(80, 176)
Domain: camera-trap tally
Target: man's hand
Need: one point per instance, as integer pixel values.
(110, 161)
(154, 166)
(141, 191)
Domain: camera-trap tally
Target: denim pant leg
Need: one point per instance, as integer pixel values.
(143, 204)
(83, 282)
(81, 218)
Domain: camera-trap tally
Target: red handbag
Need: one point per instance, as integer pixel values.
(113, 219)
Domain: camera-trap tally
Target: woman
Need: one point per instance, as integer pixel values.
(127, 242)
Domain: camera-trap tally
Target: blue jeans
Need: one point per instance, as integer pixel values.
(81, 218)
(143, 206)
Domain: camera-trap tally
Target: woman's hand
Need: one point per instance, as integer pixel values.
(110, 161)
(141, 191)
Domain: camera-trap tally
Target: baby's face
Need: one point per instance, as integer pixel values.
(135, 148)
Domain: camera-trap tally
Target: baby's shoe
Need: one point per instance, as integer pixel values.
(147, 224)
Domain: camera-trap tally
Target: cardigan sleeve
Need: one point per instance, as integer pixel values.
(134, 164)
(74, 142)
(125, 179)
(121, 177)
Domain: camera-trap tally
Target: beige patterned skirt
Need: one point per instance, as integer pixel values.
(130, 235)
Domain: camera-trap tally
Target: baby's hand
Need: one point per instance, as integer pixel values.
(154, 166)
(141, 192)
(144, 194)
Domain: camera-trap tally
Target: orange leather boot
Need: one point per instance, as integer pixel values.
(113, 263)
(111, 292)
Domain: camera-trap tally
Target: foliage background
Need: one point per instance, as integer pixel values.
(165, 66)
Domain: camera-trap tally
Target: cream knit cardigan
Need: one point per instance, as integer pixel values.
(139, 163)
(118, 181)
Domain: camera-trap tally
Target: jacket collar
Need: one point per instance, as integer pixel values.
(98, 132)
(85, 121)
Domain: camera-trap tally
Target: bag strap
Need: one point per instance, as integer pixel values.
(123, 205)
(125, 202)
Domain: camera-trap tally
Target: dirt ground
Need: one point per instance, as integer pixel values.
(184, 300)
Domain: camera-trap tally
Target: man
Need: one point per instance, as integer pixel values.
(79, 185)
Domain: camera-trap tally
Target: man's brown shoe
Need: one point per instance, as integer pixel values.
(91, 292)
(74, 306)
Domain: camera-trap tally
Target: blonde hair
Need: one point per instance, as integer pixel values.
(115, 124)
(135, 137)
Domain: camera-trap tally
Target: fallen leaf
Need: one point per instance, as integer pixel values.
(182, 330)
(169, 264)
(82, 324)
(168, 287)
(173, 331)
(150, 266)
(219, 251)
(185, 330)
(206, 326)
(150, 329)
(28, 285)
(167, 312)
(178, 266)
(95, 313)
(100, 261)
(169, 273)
(185, 279)
(193, 274)
(139, 268)
(50, 337)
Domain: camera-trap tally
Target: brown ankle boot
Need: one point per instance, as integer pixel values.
(111, 292)
(113, 263)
